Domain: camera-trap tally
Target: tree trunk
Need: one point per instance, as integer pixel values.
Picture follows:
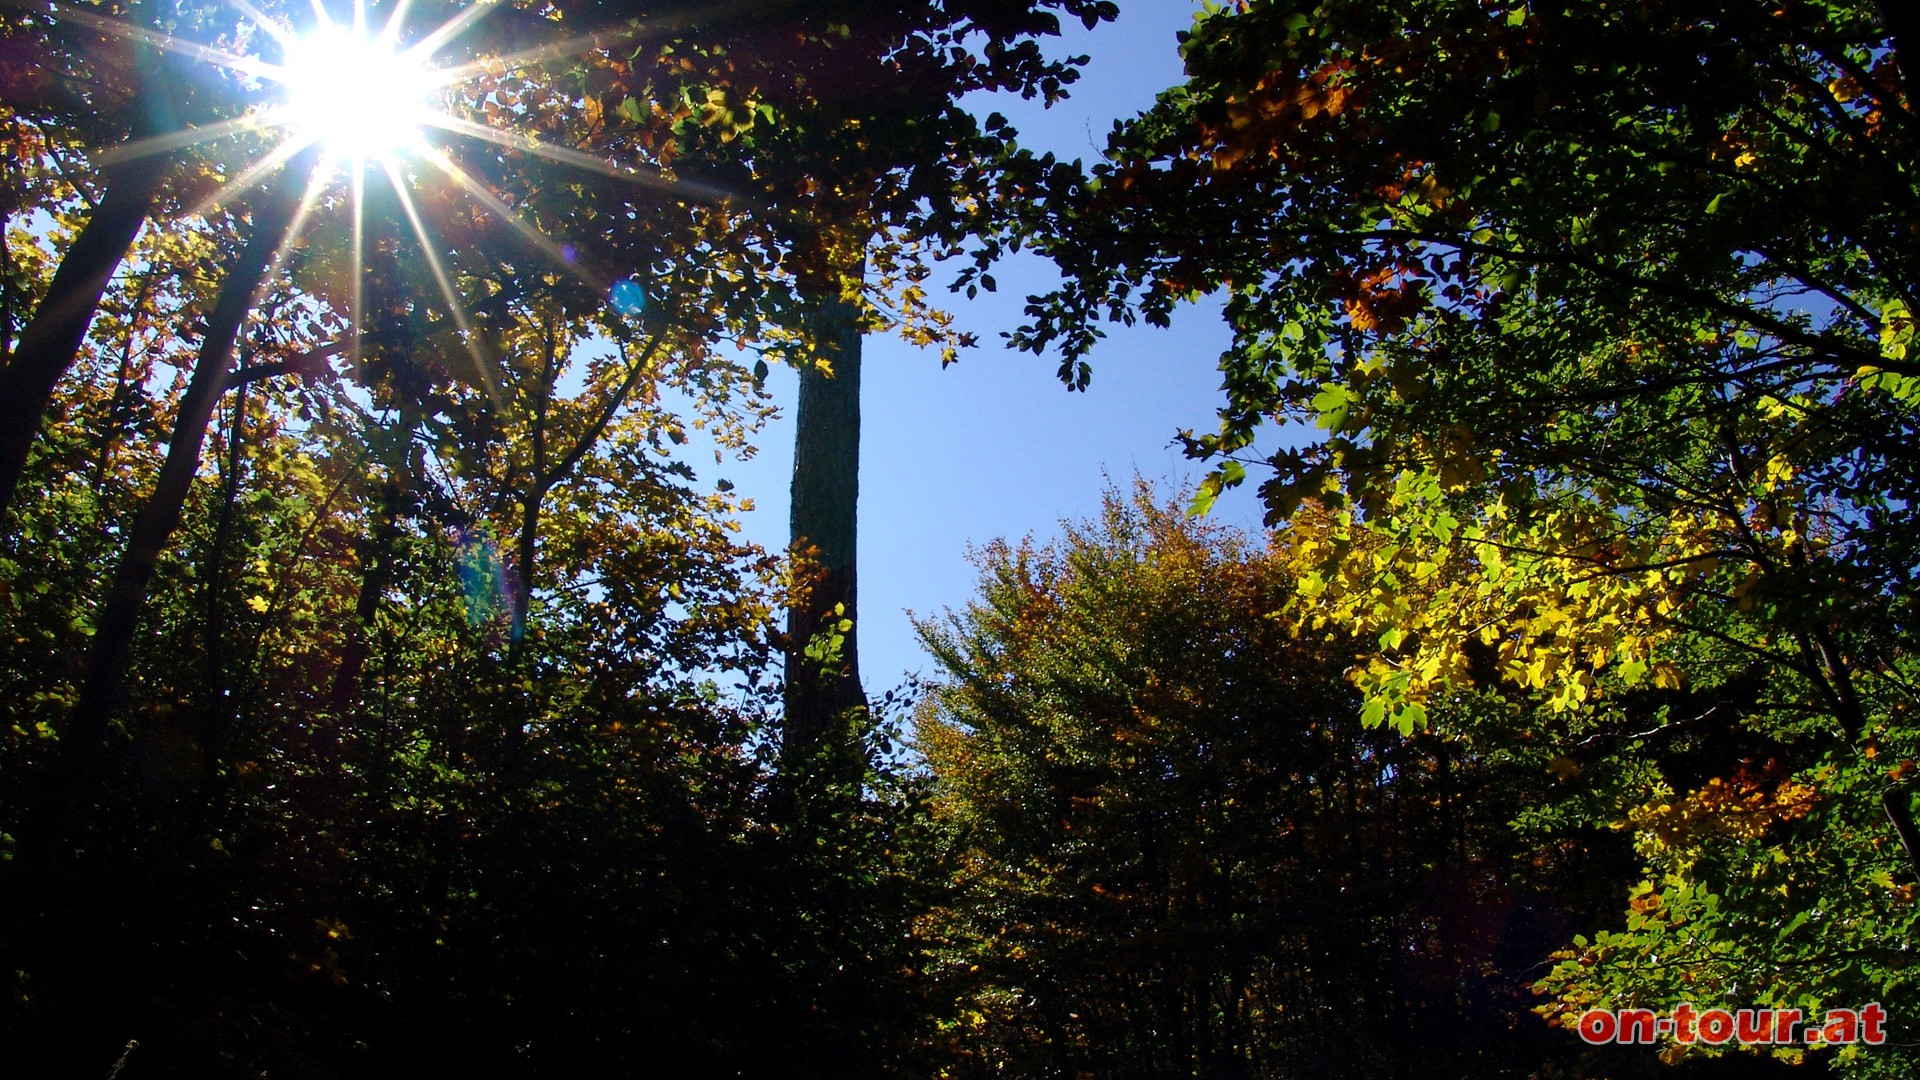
(525, 550)
(218, 723)
(1903, 27)
(51, 340)
(376, 571)
(104, 680)
(823, 682)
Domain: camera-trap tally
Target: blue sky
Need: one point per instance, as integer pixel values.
(995, 446)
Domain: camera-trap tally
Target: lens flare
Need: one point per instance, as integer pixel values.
(629, 298)
(489, 586)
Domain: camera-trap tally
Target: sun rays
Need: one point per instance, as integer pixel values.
(359, 100)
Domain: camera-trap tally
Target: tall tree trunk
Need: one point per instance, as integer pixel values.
(51, 340)
(823, 682)
(218, 723)
(376, 572)
(526, 549)
(104, 680)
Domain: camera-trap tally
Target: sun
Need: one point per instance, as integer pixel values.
(359, 95)
(366, 94)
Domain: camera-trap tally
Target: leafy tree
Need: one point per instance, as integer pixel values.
(70, 86)
(103, 679)
(267, 242)
(830, 127)
(1604, 314)
(393, 840)
(1177, 852)
(380, 761)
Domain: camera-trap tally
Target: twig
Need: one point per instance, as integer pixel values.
(132, 1045)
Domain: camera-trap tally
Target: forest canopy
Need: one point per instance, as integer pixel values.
(1602, 313)
(386, 687)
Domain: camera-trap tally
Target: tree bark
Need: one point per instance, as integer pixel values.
(1903, 27)
(526, 549)
(51, 340)
(376, 571)
(103, 682)
(218, 723)
(823, 684)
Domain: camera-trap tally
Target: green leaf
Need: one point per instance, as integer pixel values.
(1793, 924)
(1373, 713)
(1331, 405)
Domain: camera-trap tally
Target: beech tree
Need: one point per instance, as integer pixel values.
(1603, 315)
(1176, 849)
